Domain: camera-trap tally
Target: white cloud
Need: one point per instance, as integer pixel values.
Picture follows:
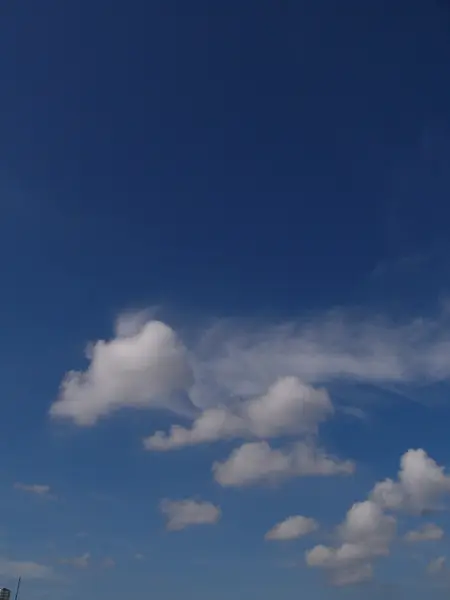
(80, 562)
(336, 346)
(292, 528)
(420, 487)
(26, 569)
(185, 513)
(257, 462)
(37, 489)
(427, 532)
(437, 565)
(145, 364)
(288, 407)
(141, 367)
(365, 535)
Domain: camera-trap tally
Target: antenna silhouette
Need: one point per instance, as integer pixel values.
(17, 589)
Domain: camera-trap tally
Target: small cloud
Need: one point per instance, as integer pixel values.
(257, 462)
(185, 513)
(292, 528)
(436, 565)
(139, 556)
(81, 534)
(79, 562)
(428, 532)
(37, 489)
(108, 563)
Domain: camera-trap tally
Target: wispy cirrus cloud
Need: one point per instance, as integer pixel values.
(79, 562)
(36, 489)
(429, 532)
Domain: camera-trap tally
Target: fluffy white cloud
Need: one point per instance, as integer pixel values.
(289, 406)
(420, 487)
(257, 462)
(292, 528)
(141, 367)
(365, 535)
(427, 532)
(185, 513)
(26, 569)
(79, 562)
(37, 489)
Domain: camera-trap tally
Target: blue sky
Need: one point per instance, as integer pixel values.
(224, 302)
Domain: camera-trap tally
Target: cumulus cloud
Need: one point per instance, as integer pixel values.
(427, 532)
(421, 485)
(288, 407)
(79, 562)
(37, 489)
(26, 569)
(292, 528)
(185, 513)
(141, 367)
(257, 462)
(365, 535)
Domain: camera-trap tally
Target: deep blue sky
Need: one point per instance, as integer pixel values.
(229, 158)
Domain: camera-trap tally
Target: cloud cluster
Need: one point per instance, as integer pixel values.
(369, 529)
(186, 513)
(292, 528)
(260, 385)
(146, 365)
